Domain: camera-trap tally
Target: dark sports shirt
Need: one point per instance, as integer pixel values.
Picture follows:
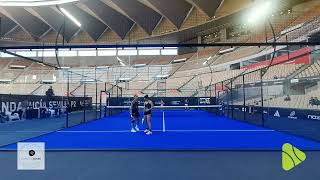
(135, 107)
(147, 106)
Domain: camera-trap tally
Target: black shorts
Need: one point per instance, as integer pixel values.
(135, 114)
(147, 113)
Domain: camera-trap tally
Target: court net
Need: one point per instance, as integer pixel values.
(163, 111)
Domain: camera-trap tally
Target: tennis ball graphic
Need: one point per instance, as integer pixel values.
(291, 156)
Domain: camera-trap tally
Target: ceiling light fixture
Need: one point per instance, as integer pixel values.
(120, 61)
(260, 11)
(122, 64)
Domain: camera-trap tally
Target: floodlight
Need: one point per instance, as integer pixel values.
(259, 12)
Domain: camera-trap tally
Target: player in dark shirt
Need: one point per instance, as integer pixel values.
(135, 116)
(148, 105)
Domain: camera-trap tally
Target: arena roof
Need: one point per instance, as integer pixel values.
(99, 16)
(100, 19)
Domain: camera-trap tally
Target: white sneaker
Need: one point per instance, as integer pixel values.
(146, 130)
(137, 128)
(149, 133)
(133, 130)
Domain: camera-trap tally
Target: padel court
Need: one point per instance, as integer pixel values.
(179, 129)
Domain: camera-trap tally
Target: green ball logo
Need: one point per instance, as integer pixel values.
(291, 157)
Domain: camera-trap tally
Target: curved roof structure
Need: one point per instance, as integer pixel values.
(113, 21)
(98, 17)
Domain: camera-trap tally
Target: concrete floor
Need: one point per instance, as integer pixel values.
(157, 165)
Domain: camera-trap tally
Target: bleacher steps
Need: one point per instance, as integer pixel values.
(186, 83)
(298, 71)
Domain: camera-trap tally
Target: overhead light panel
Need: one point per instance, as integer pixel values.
(40, 63)
(225, 51)
(119, 59)
(17, 67)
(139, 65)
(5, 80)
(124, 79)
(72, 18)
(122, 64)
(179, 60)
(65, 67)
(48, 81)
(102, 67)
(162, 76)
(88, 81)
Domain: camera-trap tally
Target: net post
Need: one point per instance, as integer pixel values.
(96, 88)
(84, 104)
(100, 104)
(163, 123)
(262, 105)
(68, 97)
(244, 97)
(231, 98)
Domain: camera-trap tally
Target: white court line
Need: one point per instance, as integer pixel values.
(26, 131)
(221, 130)
(118, 131)
(195, 130)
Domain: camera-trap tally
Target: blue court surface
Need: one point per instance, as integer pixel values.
(178, 130)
